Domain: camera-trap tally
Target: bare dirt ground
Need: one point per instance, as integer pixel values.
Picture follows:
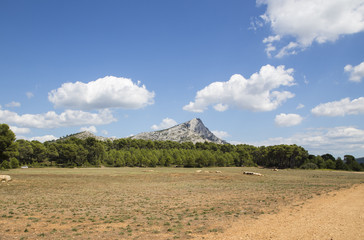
(337, 215)
(180, 203)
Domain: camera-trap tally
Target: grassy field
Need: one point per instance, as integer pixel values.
(142, 203)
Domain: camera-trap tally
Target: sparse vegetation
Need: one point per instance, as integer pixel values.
(132, 203)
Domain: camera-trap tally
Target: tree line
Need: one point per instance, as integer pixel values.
(126, 152)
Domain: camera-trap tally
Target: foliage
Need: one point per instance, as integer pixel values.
(75, 152)
(8, 148)
(14, 163)
(309, 165)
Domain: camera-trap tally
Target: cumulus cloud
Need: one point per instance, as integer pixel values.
(221, 107)
(288, 120)
(221, 134)
(13, 104)
(340, 108)
(337, 140)
(89, 129)
(258, 93)
(166, 123)
(107, 92)
(18, 130)
(53, 120)
(309, 21)
(44, 138)
(356, 72)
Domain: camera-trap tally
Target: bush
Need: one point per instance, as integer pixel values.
(249, 163)
(118, 163)
(14, 163)
(5, 165)
(309, 166)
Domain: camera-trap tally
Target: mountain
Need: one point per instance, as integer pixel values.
(191, 131)
(360, 160)
(84, 135)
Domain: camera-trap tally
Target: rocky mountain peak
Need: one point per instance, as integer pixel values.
(84, 135)
(195, 125)
(191, 131)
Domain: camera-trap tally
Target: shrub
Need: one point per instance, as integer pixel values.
(249, 163)
(14, 163)
(5, 165)
(118, 163)
(309, 166)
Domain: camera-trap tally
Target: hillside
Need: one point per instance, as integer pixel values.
(360, 160)
(83, 135)
(191, 131)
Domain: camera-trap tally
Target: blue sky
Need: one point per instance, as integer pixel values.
(257, 72)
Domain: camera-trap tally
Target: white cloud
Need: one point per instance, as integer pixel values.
(221, 134)
(44, 138)
(18, 130)
(340, 108)
(29, 94)
(221, 107)
(104, 132)
(300, 106)
(288, 120)
(337, 140)
(290, 49)
(13, 104)
(89, 129)
(255, 23)
(53, 120)
(356, 72)
(270, 48)
(256, 93)
(271, 39)
(107, 92)
(166, 123)
(309, 21)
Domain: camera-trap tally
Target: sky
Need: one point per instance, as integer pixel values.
(262, 72)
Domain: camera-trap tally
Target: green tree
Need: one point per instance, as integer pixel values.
(95, 151)
(39, 153)
(5, 165)
(328, 156)
(14, 163)
(25, 151)
(351, 163)
(52, 152)
(71, 155)
(349, 159)
(339, 164)
(8, 148)
(330, 164)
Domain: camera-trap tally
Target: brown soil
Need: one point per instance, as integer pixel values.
(174, 203)
(337, 215)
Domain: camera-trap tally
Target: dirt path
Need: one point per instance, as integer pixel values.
(338, 215)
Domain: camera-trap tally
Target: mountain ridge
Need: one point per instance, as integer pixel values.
(190, 131)
(85, 134)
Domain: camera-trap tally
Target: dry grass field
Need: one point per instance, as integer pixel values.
(142, 203)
